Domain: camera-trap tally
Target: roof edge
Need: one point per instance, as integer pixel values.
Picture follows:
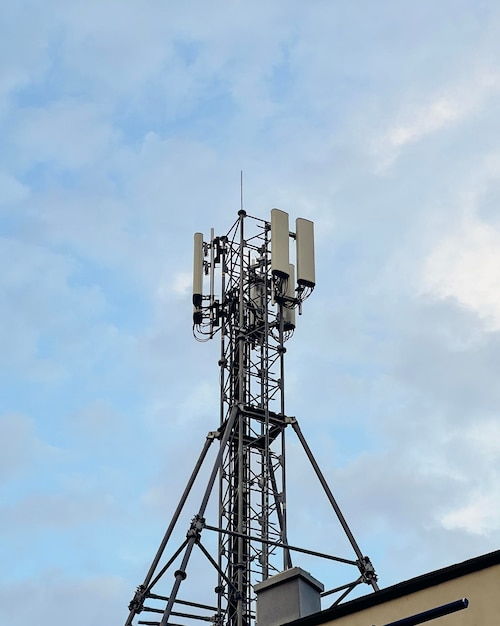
(398, 590)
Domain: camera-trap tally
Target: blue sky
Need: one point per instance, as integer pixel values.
(124, 127)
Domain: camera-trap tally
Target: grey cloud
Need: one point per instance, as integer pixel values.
(418, 403)
(67, 135)
(444, 353)
(57, 511)
(58, 599)
(39, 298)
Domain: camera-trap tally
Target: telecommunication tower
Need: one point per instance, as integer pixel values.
(253, 311)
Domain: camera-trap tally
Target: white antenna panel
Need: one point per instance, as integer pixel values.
(280, 247)
(198, 270)
(289, 312)
(256, 295)
(304, 230)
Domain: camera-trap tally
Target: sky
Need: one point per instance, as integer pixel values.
(124, 126)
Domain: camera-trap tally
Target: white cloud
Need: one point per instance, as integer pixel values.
(480, 514)
(465, 265)
(39, 302)
(444, 109)
(93, 223)
(479, 517)
(67, 134)
(11, 190)
(22, 449)
(182, 283)
(24, 54)
(99, 422)
(436, 115)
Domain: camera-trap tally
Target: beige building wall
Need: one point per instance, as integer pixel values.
(477, 579)
(481, 588)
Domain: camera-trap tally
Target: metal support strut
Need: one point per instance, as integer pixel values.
(365, 567)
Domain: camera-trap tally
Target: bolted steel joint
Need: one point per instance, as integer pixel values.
(367, 570)
(197, 525)
(138, 599)
(217, 619)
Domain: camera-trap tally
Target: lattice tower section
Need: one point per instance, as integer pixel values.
(254, 325)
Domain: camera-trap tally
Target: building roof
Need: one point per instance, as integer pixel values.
(399, 590)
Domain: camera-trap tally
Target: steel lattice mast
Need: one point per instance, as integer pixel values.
(254, 315)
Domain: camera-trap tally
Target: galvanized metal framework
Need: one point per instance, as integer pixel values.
(254, 315)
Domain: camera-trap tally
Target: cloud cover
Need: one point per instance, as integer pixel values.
(124, 127)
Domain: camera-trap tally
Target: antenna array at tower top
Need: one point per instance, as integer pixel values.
(267, 260)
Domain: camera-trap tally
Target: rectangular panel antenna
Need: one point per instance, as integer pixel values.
(198, 270)
(289, 311)
(280, 247)
(305, 252)
(256, 302)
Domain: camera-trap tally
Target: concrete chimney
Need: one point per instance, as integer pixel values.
(287, 596)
